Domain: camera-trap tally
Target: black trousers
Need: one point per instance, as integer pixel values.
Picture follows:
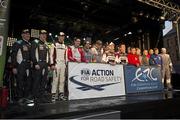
(40, 80)
(23, 79)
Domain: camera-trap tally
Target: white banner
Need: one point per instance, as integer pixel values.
(93, 80)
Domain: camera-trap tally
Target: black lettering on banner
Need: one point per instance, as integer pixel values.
(84, 78)
(97, 73)
(85, 72)
(93, 73)
(102, 72)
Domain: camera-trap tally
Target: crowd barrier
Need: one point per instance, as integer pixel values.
(93, 80)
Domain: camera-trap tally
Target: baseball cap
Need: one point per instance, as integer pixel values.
(61, 34)
(25, 31)
(87, 42)
(111, 43)
(43, 32)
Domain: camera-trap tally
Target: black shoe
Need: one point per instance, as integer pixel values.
(54, 97)
(22, 101)
(169, 87)
(29, 100)
(63, 98)
(45, 100)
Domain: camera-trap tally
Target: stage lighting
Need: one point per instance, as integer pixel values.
(153, 17)
(50, 34)
(139, 31)
(107, 1)
(141, 13)
(163, 16)
(129, 33)
(56, 36)
(134, 19)
(147, 16)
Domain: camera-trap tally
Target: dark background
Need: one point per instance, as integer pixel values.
(98, 19)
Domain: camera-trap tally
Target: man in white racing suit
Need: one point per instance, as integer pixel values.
(58, 65)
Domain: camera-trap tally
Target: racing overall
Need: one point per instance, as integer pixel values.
(40, 56)
(58, 59)
(21, 61)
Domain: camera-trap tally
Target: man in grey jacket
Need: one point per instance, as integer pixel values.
(166, 68)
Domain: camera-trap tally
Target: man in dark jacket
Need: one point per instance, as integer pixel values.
(21, 63)
(40, 58)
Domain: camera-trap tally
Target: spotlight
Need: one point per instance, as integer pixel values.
(107, 1)
(56, 36)
(163, 16)
(139, 31)
(129, 33)
(50, 34)
(141, 13)
(134, 19)
(153, 17)
(67, 36)
(147, 16)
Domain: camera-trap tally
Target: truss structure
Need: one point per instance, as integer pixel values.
(170, 9)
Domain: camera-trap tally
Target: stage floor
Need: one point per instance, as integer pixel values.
(142, 105)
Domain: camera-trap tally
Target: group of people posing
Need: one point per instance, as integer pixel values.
(32, 61)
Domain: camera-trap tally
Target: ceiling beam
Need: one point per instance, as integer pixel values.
(171, 8)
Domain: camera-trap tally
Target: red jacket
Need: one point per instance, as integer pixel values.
(133, 59)
(70, 55)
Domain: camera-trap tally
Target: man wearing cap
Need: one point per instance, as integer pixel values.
(58, 65)
(109, 55)
(40, 59)
(22, 65)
